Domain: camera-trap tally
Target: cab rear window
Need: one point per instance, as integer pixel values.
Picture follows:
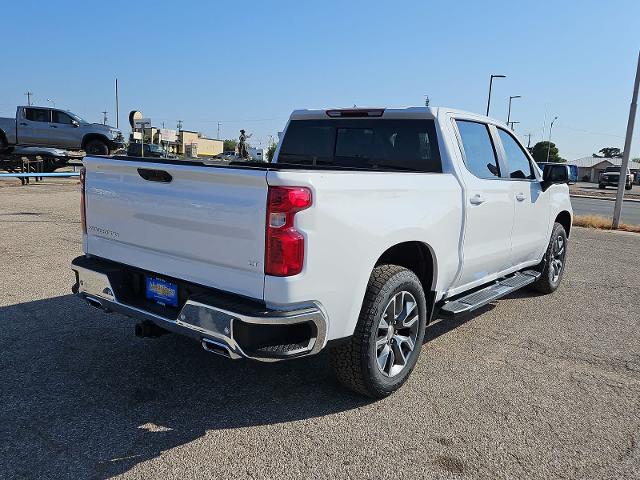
(371, 144)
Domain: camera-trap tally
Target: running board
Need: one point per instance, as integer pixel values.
(480, 298)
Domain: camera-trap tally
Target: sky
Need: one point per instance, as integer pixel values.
(249, 64)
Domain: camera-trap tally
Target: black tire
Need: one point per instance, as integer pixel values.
(355, 362)
(4, 145)
(628, 187)
(601, 186)
(96, 147)
(551, 275)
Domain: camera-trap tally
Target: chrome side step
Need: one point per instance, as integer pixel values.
(479, 298)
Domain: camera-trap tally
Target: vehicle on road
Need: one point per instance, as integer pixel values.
(50, 127)
(611, 176)
(367, 222)
(150, 150)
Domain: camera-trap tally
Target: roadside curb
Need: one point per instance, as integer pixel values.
(634, 200)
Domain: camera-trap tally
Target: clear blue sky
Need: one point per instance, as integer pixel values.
(248, 64)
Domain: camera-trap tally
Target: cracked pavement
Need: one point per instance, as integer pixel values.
(529, 387)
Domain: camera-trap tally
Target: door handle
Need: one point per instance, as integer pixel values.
(521, 197)
(23, 124)
(53, 126)
(477, 199)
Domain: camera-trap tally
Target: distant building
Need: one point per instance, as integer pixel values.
(590, 168)
(195, 144)
(184, 142)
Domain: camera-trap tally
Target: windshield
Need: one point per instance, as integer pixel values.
(372, 144)
(612, 169)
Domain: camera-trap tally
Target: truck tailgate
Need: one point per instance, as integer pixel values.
(206, 225)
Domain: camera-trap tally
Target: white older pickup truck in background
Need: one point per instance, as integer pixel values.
(367, 223)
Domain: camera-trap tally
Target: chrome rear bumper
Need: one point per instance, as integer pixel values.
(220, 328)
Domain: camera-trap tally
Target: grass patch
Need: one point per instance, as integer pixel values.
(601, 223)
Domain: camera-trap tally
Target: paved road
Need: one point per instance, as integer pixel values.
(592, 206)
(532, 387)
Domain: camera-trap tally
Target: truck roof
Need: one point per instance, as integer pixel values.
(390, 112)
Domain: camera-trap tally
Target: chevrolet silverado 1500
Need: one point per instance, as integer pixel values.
(50, 127)
(367, 223)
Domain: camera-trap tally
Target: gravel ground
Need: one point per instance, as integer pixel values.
(531, 387)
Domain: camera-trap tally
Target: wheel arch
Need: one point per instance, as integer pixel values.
(418, 257)
(564, 219)
(94, 136)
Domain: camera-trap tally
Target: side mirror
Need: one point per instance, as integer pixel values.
(75, 123)
(554, 174)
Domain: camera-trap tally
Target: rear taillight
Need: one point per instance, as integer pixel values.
(284, 254)
(83, 207)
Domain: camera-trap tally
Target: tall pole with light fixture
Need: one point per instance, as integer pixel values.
(490, 86)
(549, 142)
(509, 113)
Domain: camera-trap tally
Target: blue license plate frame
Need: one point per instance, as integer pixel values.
(162, 292)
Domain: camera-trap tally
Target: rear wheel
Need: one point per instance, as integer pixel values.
(4, 145)
(601, 186)
(628, 187)
(386, 344)
(553, 263)
(96, 147)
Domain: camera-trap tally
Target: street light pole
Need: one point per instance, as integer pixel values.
(509, 114)
(549, 142)
(490, 86)
(627, 149)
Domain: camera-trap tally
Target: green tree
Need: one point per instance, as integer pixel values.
(540, 149)
(271, 151)
(609, 152)
(230, 145)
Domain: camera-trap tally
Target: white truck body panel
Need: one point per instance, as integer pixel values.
(206, 226)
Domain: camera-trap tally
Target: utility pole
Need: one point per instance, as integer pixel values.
(627, 149)
(512, 125)
(117, 106)
(426, 100)
(218, 137)
(549, 143)
(104, 117)
(179, 125)
(528, 135)
(490, 85)
(29, 95)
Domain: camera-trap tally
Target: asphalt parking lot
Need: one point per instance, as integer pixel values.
(531, 387)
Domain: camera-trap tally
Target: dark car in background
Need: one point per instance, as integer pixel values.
(150, 150)
(611, 176)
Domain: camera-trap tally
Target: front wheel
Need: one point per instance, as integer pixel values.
(601, 186)
(553, 263)
(96, 147)
(628, 187)
(385, 346)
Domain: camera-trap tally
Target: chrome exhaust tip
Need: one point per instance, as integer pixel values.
(94, 302)
(218, 348)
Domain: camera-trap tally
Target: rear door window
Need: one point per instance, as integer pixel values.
(38, 114)
(479, 153)
(403, 145)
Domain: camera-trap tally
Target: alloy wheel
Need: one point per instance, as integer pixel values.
(397, 333)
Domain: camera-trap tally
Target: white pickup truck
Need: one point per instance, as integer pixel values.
(367, 223)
